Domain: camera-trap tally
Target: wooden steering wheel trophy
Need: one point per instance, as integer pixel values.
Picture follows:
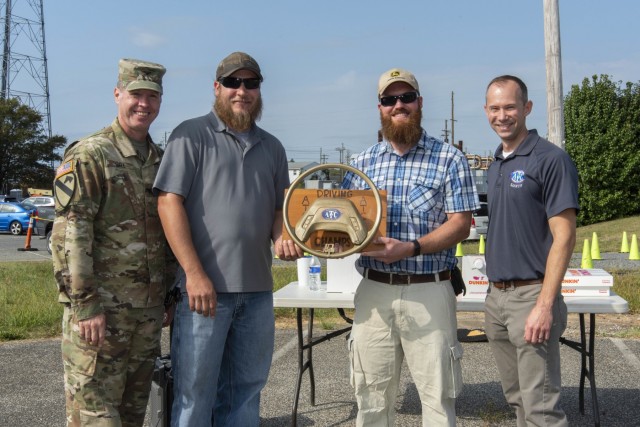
(334, 223)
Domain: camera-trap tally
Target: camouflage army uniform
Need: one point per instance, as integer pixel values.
(110, 256)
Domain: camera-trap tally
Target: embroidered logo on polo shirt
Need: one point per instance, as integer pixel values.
(517, 178)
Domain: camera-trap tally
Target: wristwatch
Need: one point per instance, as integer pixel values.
(416, 247)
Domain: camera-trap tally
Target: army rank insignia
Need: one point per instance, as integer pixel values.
(64, 184)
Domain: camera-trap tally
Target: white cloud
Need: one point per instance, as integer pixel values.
(142, 38)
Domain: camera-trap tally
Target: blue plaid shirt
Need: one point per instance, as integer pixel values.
(429, 181)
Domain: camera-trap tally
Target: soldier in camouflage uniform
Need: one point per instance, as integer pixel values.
(110, 258)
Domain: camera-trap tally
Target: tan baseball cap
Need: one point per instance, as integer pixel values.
(396, 75)
(237, 61)
(136, 74)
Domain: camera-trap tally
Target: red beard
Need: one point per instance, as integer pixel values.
(404, 134)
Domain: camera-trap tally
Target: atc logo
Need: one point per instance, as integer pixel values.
(517, 178)
(331, 214)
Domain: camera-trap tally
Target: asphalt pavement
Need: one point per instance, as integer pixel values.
(10, 245)
(31, 390)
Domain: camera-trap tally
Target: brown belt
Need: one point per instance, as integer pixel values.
(516, 283)
(405, 279)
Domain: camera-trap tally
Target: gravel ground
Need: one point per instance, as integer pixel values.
(610, 261)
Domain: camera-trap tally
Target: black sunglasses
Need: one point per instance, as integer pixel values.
(405, 98)
(235, 82)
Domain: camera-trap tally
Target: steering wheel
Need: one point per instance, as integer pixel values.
(332, 215)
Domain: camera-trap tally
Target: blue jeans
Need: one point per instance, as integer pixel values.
(221, 364)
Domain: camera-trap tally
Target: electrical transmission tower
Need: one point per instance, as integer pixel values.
(24, 57)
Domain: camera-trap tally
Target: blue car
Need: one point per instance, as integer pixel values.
(14, 217)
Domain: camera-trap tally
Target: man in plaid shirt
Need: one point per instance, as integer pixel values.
(405, 304)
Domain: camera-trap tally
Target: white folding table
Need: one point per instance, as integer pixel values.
(298, 297)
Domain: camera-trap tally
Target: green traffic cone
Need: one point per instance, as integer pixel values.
(624, 247)
(633, 252)
(595, 247)
(586, 256)
(481, 247)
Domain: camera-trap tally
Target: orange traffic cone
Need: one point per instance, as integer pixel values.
(27, 243)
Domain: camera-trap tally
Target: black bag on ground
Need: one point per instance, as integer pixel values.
(161, 396)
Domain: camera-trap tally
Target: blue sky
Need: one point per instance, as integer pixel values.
(322, 59)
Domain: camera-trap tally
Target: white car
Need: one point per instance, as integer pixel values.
(479, 222)
(40, 200)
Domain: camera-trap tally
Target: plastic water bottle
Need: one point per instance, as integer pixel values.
(314, 274)
(323, 286)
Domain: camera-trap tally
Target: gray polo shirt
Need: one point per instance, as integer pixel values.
(535, 183)
(232, 191)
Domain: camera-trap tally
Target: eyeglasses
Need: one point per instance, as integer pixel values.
(405, 98)
(235, 82)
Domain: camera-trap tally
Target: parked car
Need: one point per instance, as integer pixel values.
(4, 198)
(29, 206)
(46, 215)
(479, 222)
(40, 200)
(14, 217)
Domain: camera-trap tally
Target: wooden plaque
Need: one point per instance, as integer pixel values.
(363, 200)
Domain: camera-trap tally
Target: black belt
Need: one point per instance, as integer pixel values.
(405, 279)
(516, 283)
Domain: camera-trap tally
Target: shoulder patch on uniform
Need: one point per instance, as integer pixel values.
(64, 185)
(64, 169)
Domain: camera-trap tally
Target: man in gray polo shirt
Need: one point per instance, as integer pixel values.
(221, 191)
(533, 202)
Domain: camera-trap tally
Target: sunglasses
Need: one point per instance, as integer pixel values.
(405, 98)
(235, 82)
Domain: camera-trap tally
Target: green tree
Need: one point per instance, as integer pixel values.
(26, 154)
(602, 126)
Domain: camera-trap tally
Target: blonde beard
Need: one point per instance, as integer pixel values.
(238, 121)
(405, 134)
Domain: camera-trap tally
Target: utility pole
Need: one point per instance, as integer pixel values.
(445, 135)
(24, 57)
(453, 138)
(553, 61)
(341, 149)
(164, 140)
